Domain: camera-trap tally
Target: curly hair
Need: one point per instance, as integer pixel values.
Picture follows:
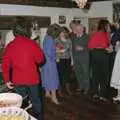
(53, 30)
(65, 30)
(75, 22)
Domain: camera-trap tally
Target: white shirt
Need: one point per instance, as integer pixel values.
(9, 37)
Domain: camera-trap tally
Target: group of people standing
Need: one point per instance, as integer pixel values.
(91, 56)
(61, 49)
(104, 45)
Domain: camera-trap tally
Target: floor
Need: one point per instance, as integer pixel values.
(81, 107)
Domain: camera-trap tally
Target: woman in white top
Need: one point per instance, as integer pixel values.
(115, 79)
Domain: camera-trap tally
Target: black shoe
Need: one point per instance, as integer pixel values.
(95, 97)
(104, 100)
(116, 101)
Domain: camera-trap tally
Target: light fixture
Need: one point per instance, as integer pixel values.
(80, 3)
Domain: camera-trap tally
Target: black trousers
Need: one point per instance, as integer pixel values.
(34, 93)
(64, 71)
(100, 71)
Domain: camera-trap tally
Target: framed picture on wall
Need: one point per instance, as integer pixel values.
(62, 19)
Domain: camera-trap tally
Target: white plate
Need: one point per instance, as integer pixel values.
(14, 111)
(12, 97)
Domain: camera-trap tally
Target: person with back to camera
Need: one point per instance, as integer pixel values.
(22, 56)
(100, 48)
(49, 71)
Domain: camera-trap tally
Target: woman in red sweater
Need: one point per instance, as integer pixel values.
(99, 53)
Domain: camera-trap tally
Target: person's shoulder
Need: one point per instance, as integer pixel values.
(11, 43)
(95, 32)
(31, 42)
(72, 35)
(98, 33)
(48, 39)
(9, 46)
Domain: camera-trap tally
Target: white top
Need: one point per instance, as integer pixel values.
(115, 79)
(9, 37)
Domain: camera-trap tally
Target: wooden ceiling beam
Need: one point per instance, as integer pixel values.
(50, 3)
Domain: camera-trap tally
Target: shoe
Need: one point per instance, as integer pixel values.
(54, 100)
(116, 98)
(78, 89)
(85, 92)
(95, 97)
(60, 94)
(104, 100)
(47, 96)
(67, 88)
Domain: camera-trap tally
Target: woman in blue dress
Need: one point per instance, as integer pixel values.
(49, 71)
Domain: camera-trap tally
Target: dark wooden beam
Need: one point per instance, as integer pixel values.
(6, 22)
(49, 3)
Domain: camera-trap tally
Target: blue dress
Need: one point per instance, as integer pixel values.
(49, 72)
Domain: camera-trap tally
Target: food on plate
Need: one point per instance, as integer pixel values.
(7, 103)
(11, 117)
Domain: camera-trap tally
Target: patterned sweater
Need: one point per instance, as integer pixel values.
(63, 49)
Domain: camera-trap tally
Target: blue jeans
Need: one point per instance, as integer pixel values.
(34, 92)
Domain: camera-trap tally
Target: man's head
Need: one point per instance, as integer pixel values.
(79, 29)
(73, 25)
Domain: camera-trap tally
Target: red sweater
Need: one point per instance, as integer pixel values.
(99, 40)
(22, 55)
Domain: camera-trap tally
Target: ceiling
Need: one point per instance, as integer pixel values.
(50, 3)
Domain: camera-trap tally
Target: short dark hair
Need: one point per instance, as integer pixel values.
(65, 30)
(53, 30)
(22, 27)
(76, 22)
(102, 25)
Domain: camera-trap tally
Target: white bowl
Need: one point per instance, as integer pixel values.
(14, 111)
(12, 97)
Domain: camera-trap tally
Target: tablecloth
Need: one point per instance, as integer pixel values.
(32, 118)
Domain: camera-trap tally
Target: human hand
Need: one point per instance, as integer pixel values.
(10, 85)
(60, 50)
(79, 48)
(109, 50)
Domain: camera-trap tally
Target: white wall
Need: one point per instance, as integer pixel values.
(101, 9)
(98, 9)
(116, 1)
